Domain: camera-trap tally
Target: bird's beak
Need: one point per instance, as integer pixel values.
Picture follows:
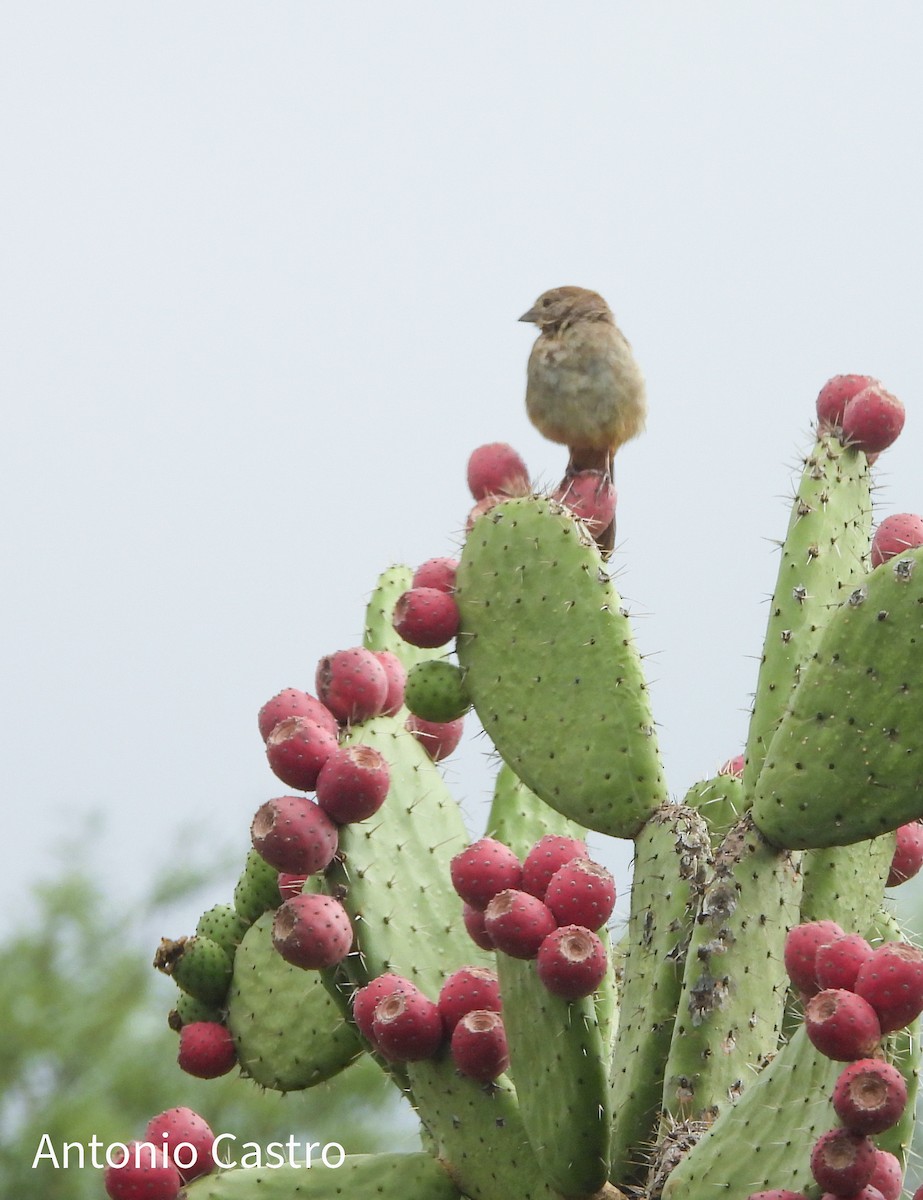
(530, 315)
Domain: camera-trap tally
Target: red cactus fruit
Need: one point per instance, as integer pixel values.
(353, 783)
(477, 930)
(896, 534)
(478, 1046)
(497, 470)
(312, 931)
(290, 884)
(407, 1026)
(908, 853)
(842, 1161)
(869, 1095)
(892, 982)
(483, 869)
(581, 893)
(800, 952)
(438, 573)
(438, 738)
(396, 674)
(291, 702)
(873, 419)
(842, 1025)
(887, 1175)
(366, 999)
(837, 963)
(518, 923)
(591, 498)
(294, 834)
(206, 1049)
(464, 991)
(353, 684)
(142, 1175)
(181, 1125)
(426, 617)
(571, 962)
(869, 1192)
(836, 394)
(777, 1194)
(548, 855)
(297, 748)
(734, 766)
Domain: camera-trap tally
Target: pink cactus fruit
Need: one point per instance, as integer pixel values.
(581, 893)
(206, 1049)
(294, 834)
(837, 963)
(297, 748)
(438, 738)
(312, 931)
(801, 944)
(426, 617)
(836, 394)
(590, 497)
(734, 766)
(187, 1138)
(892, 982)
(465, 990)
(438, 573)
(407, 1026)
(887, 1175)
(869, 1192)
(869, 1095)
(896, 534)
(290, 884)
(548, 855)
(571, 962)
(497, 470)
(291, 702)
(842, 1025)
(873, 419)
(777, 1194)
(396, 674)
(477, 930)
(518, 923)
(479, 1048)
(142, 1175)
(366, 999)
(842, 1161)
(483, 869)
(353, 784)
(353, 684)
(908, 853)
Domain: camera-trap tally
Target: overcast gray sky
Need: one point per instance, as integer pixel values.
(262, 265)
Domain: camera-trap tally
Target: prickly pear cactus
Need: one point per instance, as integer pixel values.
(686, 1069)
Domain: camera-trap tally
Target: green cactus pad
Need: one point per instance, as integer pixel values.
(823, 558)
(197, 965)
(559, 1060)
(846, 884)
(720, 801)
(223, 925)
(553, 670)
(729, 1018)
(436, 691)
(519, 819)
(672, 865)
(846, 763)
(257, 890)
(360, 1177)
(288, 1031)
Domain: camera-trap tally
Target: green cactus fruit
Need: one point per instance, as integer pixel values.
(288, 1031)
(720, 801)
(257, 890)
(188, 1009)
(559, 1060)
(436, 691)
(359, 1176)
(553, 670)
(223, 925)
(672, 866)
(198, 965)
(823, 558)
(846, 762)
(729, 1017)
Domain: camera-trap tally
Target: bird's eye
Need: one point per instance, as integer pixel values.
(546, 302)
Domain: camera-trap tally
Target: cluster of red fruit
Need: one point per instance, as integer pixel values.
(404, 1025)
(854, 994)
(177, 1147)
(861, 412)
(547, 908)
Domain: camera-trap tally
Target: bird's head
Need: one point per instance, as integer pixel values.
(561, 306)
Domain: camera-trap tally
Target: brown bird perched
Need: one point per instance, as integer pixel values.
(584, 388)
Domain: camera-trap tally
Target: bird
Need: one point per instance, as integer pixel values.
(584, 387)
